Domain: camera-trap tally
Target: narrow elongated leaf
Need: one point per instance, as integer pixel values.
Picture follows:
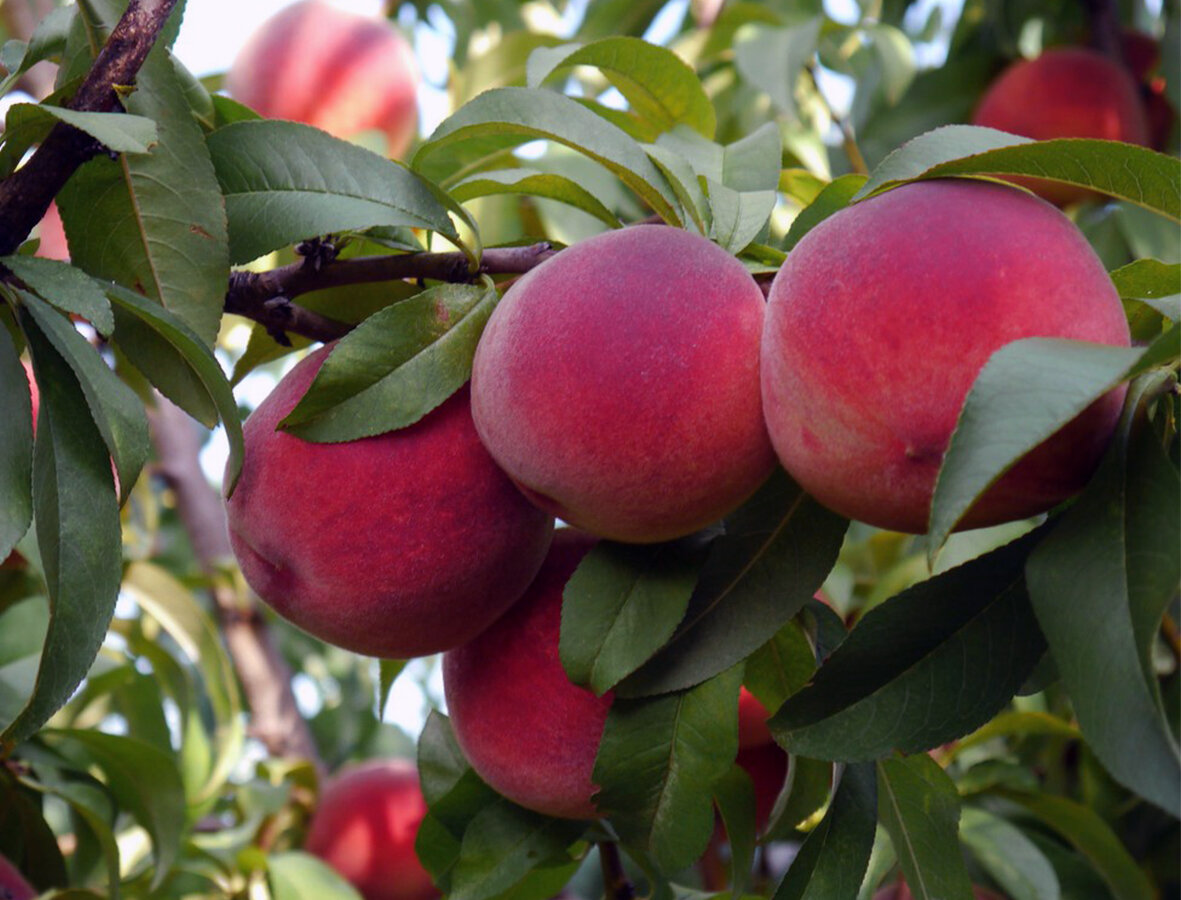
(65, 287)
(284, 182)
(659, 86)
(1026, 392)
(832, 861)
(737, 217)
(776, 552)
(620, 605)
(657, 763)
(396, 366)
(503, 844)
(1114, 554)
(1011, 858)
(772, 59)
(144, 781)
(925, 667)
(16, 448)
(301, 876)
(120, 132)
(93, 806)
(503, 118)
(834, 197)
(77, 521)
(117, 410)
(1085, 830)
(155, 222)
(1127, 171)
(179, 363)
(48, 40)
(734, 797)
(780, 667)
(1156, 283)
(920, 808)
(536, 184)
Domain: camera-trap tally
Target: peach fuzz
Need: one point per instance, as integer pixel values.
(617, 384)
(339, 71)
(524, 727)
(13, 885)
(879, 322)
(1068, 92)
(398, 545)
(365, 826)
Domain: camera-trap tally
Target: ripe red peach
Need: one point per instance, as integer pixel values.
(879, 322)
(1068, 92)
(617, 384)
(524, 727)
(13, 885)
(339, 71)
(752, 721)
(365, 826)
(398, 545)
(52, 234)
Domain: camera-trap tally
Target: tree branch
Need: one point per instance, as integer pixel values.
(265, 677)
(266, 297)
(27, 193)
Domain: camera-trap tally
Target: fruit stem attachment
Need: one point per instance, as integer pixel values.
(848, 138)
(26, 194)
(616, 884)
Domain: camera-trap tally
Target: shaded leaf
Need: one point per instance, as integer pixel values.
(1009, 857)
(734, 797)
(920, 808)
(301, 876)
(657, 763)
(834, 197)
(926, 667)
(16, 448)
(1154, 282)
(772, 59)
(776, 552)
(65, 287)
(832, 861)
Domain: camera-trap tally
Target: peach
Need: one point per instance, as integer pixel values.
(879, 322)
(524, 727)
(617, 384)
(1068, 92)
(13, 885)
(752, 721)
(398, 545)
(336, 70)
(365, 827)
(53, 236)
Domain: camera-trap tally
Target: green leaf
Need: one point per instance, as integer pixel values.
(284, 182)
(1155, 282)
(620, 606)
(119, 132)
(388, 672)
(772, 59)
(93, 807)
(658, 85)
(503, 844)
(300, 876)
(1026, 392)
(143, 780)
(919, 806)
(955, 647)
(832, 861)
(16, 448)
(1114, 555)
(1018, 724)
(1086, 831)
(776, 552)
(77, 523)
(179, 363)
(780, 667)
(504, 118)
(155, 222)
(65, 287)
(48, 40)
(117, 410)
(1127, 171)
(737, 217)
(808, 788)
(1010, 858)
(396, 366)
(834, 197)
(895, 55)
(657, 763)
(537, 184)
